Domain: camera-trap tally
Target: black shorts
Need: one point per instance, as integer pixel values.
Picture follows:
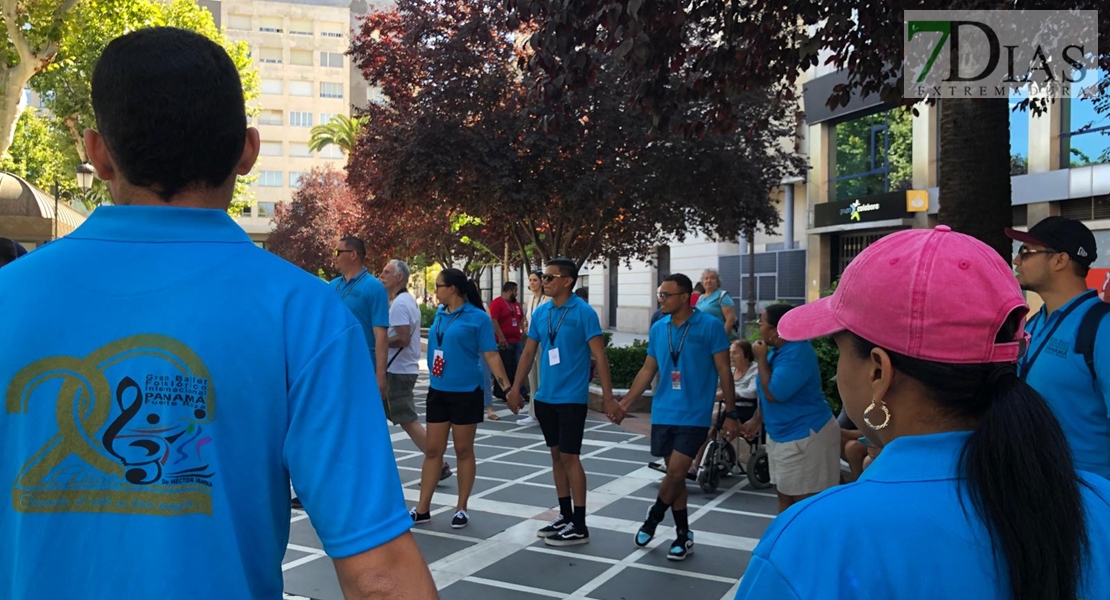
(563, 425)
(456, 408)
(677, 438)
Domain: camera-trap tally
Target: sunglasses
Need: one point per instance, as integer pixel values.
(548, 277)
(441, 285)
(664, 295)
(338, 252)
(1025, 251)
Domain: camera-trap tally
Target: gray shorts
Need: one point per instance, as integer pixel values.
(399, 403)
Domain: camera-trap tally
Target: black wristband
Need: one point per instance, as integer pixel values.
(733, 414)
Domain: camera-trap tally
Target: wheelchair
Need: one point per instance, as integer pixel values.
(720, 458)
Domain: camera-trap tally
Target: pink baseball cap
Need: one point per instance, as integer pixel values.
(931, 294)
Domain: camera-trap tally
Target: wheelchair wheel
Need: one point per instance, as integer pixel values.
(727, 460)
(709, 477)
(759, 471)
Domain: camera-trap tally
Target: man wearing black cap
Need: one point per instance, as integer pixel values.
(1068, 359)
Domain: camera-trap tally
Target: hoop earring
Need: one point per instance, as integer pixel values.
(886, 420)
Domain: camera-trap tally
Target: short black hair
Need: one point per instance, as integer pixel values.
(8, 251)
(169, 104)
(508, 286)
(356, 244)
(775, 312)
(685, 286)
(567, 268)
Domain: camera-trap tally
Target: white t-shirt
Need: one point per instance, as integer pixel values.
(403, 311)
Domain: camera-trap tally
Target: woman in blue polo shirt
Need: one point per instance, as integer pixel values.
(460, 335)
(803, 439)
(975, 494)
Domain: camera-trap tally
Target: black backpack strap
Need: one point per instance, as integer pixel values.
(1088, 331)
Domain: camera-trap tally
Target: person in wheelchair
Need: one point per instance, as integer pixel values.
(745, 377)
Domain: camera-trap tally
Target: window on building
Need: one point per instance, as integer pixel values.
(331, 90)
(295, 179)
(266, 210)
(300, 57)
(273, 86)
(331, 151)
(326, 117)
(300, 119)
(332, 30)
(270, 55)
(331, 59)
(270, 178)
(271, 25)
(246, 211)
(1087, 137)
(374, 94)
(874, 154)
(242, 22)
(299, 149)
(300, 88)
(1019, 139)
(300, 27)
(270, 149)
(271, 117)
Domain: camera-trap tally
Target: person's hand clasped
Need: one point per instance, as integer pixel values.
(615, 411)
(760, 350)
(514, 400)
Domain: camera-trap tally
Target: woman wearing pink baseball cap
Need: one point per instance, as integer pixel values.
(975, 494)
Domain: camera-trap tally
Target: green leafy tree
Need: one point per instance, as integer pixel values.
(35, 153)
(65, 83)
(33, 30)
(340, 131)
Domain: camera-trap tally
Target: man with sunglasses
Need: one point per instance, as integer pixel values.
(1053, 261)
(690, 349)
(564, 333)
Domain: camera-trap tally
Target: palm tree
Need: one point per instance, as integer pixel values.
(341, 130)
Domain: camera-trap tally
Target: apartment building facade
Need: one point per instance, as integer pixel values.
(305, 78)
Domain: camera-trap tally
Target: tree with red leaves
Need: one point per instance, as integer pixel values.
(461, 138)
(709, 50)
(323, 210)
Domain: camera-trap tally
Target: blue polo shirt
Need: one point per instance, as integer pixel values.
(466, 334)
(923, 545)
(149, 444)
(800, 405)
(1052, 367)
(692, 405)
(574, 324)
(368, 300)
(711, 304)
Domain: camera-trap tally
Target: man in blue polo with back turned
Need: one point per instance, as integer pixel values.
(1053, 261)
(146, 450)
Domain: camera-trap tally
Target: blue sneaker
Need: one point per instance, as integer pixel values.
(646, 533)
(682, 547)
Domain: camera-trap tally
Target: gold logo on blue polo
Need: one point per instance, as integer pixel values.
(133, 430)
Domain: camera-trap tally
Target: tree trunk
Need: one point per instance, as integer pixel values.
(12, 80)
(974, 170)
(77, 135)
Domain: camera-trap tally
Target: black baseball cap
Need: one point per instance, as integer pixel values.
(1062, 235)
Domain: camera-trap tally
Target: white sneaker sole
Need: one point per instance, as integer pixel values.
(575, 542)
(454, 526)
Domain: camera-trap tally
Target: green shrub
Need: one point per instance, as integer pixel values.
(427, 315)
(827, 357)
(625, 362)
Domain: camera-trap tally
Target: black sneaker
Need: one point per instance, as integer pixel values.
(553, 527)
(682, 547)
(646, 533)
(445, 472)
(296, 503)
(461, 519)
(420, 519)
(569, 536)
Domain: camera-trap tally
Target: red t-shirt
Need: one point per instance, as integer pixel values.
(509, 317)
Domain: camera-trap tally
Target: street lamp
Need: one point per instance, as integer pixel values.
(85, 173)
